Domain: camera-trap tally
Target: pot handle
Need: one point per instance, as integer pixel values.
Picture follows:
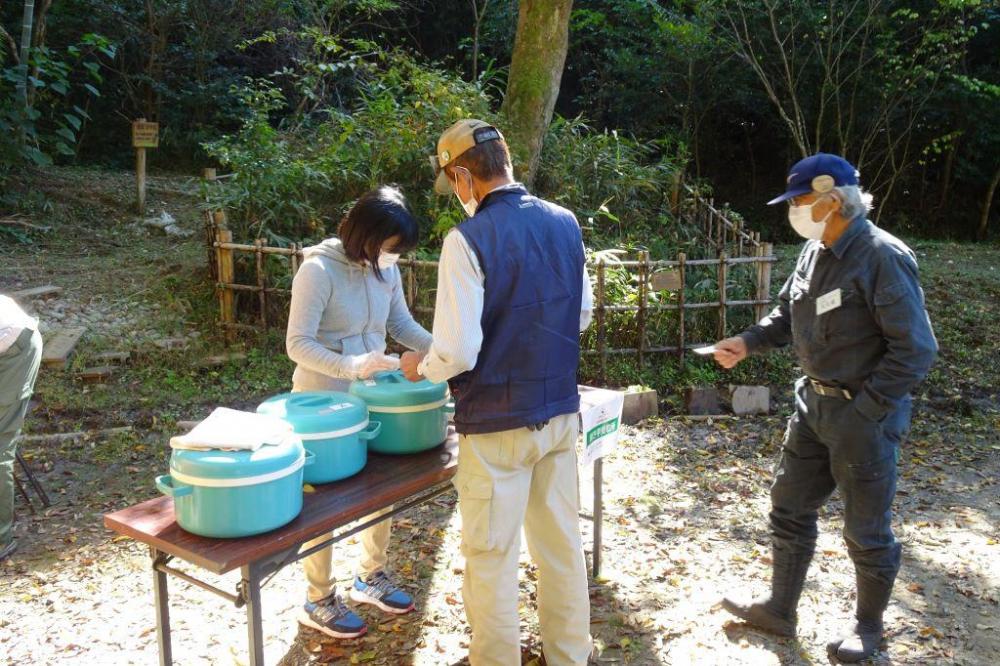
(449, 407)
(165, 484)
(310, 458)
(371, 432)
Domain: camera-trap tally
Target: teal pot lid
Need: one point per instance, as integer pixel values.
(218, 464)
(318, 412)
(392, 389)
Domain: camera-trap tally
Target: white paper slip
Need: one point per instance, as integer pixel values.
(829, 301)
(705, 351)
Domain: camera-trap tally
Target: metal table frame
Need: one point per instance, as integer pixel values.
(253, 577)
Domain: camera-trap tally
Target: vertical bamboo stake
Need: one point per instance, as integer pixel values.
(709, 230)
(294, 258)
(682, 271)
(765, 283)
(411, 284)
(720, 229)
(261, 282)
(723, 270)
(643, 297)
(675, 193)
(739, 238)
(208, 175)
(602, 346)
(227, 274)
(758, 308)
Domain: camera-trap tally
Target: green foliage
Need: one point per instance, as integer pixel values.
(48, 123)
(611, 181)
(297, 177)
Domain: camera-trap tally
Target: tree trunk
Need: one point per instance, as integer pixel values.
(26, 29)
(533, 84)
(949, 169)
(987, 202)
(38, 41)
(478, 16)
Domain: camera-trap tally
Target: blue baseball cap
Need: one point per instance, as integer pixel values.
(802, 173)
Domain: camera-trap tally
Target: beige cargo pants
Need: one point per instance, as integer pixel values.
(507, 480)
(374, 544)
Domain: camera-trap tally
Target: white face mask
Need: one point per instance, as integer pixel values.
(387, 260)
(468, 206)
(800, 217)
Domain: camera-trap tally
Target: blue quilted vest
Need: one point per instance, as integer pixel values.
(531, 255)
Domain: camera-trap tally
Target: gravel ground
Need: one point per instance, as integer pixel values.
(685, 506)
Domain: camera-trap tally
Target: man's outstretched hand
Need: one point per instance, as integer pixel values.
(729, 352)
(408, 364)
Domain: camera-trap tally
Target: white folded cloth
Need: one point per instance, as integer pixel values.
(233, 430)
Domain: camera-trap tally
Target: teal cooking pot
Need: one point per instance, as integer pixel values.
(413, 415)
(236, 493)
(333, 426)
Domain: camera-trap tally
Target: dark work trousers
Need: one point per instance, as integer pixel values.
(829, 444)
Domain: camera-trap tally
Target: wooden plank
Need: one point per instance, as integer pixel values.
(36, 292)
(113, 357)
(96, 374)
(222, 359)
(385, 481)
(60, 345)
(171, 343)
(78, 434)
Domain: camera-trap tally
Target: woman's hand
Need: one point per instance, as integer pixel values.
(366, 365)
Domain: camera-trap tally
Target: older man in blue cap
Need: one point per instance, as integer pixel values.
(854, 312)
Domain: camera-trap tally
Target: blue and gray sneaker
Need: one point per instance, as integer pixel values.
(379, 590)
(332, 617)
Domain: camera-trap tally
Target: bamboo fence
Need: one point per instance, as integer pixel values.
(735, 246)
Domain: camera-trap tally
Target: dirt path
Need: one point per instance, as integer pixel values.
(685, 506)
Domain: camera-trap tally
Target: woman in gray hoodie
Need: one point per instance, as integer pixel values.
(346, 296)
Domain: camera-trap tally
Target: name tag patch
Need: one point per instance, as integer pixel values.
(828, 301)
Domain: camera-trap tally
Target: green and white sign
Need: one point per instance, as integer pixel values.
(600, 415)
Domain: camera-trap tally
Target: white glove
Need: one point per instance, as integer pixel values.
(366, 365)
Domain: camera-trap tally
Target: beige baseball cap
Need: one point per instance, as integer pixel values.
(455, 140)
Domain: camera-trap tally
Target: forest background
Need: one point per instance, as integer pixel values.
(313, 101)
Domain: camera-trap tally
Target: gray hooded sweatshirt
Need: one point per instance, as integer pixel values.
(339, 308)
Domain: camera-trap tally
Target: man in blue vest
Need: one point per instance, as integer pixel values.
(513, 296)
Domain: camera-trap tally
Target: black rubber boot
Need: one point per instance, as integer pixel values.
(776, 614)
(862, 641)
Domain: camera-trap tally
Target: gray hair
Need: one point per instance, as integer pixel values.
(854, 201)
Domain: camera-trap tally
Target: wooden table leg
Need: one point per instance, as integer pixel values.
(161, 597)
(251, 591)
